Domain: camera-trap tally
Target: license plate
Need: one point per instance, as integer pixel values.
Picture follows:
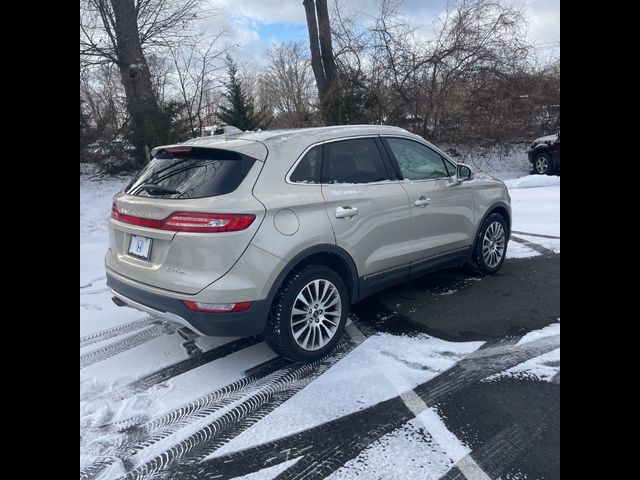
(140, 247)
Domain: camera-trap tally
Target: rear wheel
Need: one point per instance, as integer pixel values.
(542, 164)
(491, 244)
(308, 314)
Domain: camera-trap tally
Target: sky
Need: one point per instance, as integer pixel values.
(254, 25)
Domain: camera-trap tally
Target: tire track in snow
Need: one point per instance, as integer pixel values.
(206, 440)
(191, 363)
(115, 331)
(207, 401)
(144, 433)
(123, 345)
(179, 368)
(536, 235)
(329, 446)
(533, 246)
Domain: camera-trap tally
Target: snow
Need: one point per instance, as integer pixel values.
(531, 181)
(518, 250)
(535, 210)
(408, 452)
(382, 367)
(270, 472)
(543, 368)
(546, 138)
(502, 164)
(548, 331)
(96, 308)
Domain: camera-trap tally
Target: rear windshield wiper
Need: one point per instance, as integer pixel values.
(157, 188)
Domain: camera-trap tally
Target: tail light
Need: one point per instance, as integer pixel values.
(190, 221)
(218, 307)
(206, 222)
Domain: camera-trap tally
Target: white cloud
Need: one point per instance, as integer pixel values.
(267, 11)
(243, 19)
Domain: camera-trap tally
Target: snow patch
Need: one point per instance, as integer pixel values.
(531, 181)
(543, 367)
(407, 452)
(548, 331)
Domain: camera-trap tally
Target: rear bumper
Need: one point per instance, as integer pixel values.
(240, 324)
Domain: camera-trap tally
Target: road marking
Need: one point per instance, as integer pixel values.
(471, 469)
(431, 421)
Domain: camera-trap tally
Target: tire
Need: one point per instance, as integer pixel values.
(491, 245)
(309, 332)
(543, 164)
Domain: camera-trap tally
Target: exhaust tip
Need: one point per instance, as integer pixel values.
(119, 302)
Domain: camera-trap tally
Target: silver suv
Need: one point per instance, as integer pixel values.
(279, 232)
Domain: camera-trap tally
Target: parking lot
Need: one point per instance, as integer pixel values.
(452, 375)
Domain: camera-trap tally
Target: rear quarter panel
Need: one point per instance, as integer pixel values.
(295, 216)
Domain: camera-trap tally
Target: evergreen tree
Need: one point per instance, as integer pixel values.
(241, 112)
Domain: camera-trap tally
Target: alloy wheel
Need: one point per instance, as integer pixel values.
(493, 244)
(542, 165)
(315, 315)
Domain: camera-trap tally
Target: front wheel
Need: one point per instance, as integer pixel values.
(543, 164)
(491, 244)
(308, 314)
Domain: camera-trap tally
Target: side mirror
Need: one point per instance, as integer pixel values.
(463, 172)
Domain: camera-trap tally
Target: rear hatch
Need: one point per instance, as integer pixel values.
(188, 216)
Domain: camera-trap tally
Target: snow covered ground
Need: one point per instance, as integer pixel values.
(122, 351)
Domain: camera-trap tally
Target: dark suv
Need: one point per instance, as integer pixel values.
(544, 155)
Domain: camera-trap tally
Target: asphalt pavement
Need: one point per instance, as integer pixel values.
(511, 425)
(460, 305)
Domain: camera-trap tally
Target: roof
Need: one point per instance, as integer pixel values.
(315, 134)
(257, 144)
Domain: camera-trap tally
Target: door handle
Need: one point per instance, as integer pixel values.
(346, 212)
(422, 201)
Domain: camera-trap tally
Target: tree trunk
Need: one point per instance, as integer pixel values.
(141, 100)
(316, 59)
(332, 97)
(325, 42)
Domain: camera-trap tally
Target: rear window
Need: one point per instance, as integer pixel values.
(194, 173)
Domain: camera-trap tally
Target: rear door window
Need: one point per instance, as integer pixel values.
(191, 173)
(353, 161)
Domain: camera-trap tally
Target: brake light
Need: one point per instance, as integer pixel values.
(114, 211)
(190, 221)
(217, 307)
(207, 222)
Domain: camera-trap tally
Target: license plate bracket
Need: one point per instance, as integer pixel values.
(140, 247)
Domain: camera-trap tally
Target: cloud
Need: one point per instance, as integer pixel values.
(255, 24)
(266, 11)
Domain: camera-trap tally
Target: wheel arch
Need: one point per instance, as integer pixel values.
(324, 254)
(499, 207)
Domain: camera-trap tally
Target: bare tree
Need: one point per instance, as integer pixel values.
(430, 80)
(118, 32)
(288, 85)
(196, 66)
